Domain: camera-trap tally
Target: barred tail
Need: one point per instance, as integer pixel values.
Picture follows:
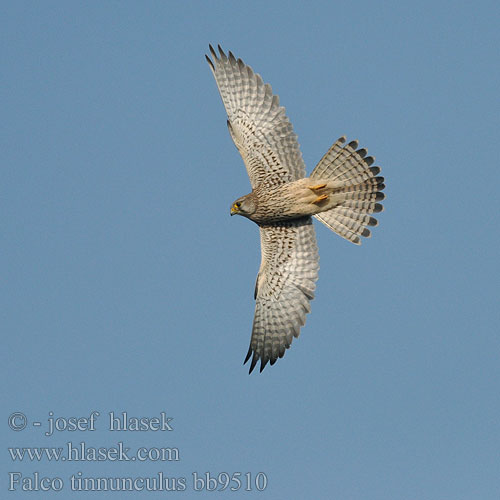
(357, 193)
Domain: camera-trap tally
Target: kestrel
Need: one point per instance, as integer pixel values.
(343, 190)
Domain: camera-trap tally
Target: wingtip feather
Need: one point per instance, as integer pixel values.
(221, 52)
(249, 353)
(210, 62)
(253, 362)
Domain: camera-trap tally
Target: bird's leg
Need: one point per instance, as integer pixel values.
(317, 187)
(321, 198)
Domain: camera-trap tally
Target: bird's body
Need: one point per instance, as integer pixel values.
(300, 198)
(284, 202)
(342, 192)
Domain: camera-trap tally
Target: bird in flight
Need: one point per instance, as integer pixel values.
(343, 190)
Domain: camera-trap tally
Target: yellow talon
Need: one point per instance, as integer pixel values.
(321, 198)
(318, 186)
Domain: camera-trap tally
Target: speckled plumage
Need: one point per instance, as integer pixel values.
(342, 191)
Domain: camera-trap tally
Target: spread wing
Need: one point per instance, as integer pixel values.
(257, 123)
(285, 285)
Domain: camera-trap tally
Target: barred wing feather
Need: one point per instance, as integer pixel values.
(285, 285)
(257, 123)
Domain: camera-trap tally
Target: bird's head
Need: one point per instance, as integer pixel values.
(244, 206)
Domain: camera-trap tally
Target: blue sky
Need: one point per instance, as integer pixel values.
(127, 286)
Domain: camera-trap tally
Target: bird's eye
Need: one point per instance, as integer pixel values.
(238, 204)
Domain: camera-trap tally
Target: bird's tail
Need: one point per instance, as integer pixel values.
(357, 193)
